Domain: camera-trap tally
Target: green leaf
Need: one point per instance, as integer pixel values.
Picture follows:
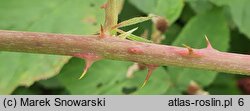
(146, 6)
(75, 17)
(128, 33)
(240, 13)
(99, 77)
(224, 84)
(23, 69)
(32, 90)
(221, 2)
(171, 34)
(132, 21)
(200, 6)
(109, 77)
(213, 24)
(159, 83)
(50, 83)
(134, 37)
(170, 9)
(139, 39)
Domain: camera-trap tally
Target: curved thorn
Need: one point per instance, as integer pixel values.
(102, 33)
(87, 66)
(83, 74)
(150, 70)
(190, 50)
(209, 46)
(144, 83)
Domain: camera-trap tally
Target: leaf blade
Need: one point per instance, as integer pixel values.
(43, 16)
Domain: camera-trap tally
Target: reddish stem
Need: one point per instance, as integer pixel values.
(126, 50)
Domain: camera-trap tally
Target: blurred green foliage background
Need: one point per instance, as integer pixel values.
(225, 22)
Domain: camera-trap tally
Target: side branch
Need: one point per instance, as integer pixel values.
(125, 50)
